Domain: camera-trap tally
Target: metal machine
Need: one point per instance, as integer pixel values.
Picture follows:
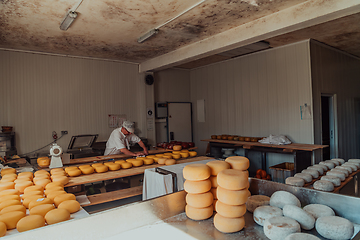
(55, 153)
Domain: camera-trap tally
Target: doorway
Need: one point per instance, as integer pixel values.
(328, 126)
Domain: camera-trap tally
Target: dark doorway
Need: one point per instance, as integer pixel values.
(328, 126)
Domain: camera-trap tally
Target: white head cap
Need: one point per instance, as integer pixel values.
(129, 126)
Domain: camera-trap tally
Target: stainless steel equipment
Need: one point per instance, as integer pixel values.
(7, 144)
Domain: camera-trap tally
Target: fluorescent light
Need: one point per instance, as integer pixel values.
(147, 35)
(68, 20)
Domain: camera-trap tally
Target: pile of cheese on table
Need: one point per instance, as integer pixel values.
(32, 200)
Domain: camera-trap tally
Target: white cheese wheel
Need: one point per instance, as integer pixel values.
(41, 209)
(8, 203)
(11, 218)
(74, 172)
(199, 213)
(162, 160)
(306, 220)
(238, 162)
(330, 165)
(336, 162)
(12, 208)
(217, 166)
(30, 222)
(336, 173)
(295, 181)
(334, 180)
(345, 170)
(324, 185)
(90, 170)
(197, 186)
(200, 200)
(256, 201)
(313, 173)
(276, 228)
(170, 162)
(233, 179)
(63, 197)
(301, 236)
(3, 229)
(57, 215)
(70, 205)
(342, 161)
(265, 212)
(354, 161)
(324, 167)
(7, 185)
(307, 177)
(228, 225)
(232, 197)
(213, 180)
(319, 169)
(353, 167)
(319, 210)
(281, 198)
(333, 227)
(196, 172)
(230, 211)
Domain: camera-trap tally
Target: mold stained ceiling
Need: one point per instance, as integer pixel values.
(109, 29)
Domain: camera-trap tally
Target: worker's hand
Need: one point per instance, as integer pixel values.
(138, 154)
(146, 152)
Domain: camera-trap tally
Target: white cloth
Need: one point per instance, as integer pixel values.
(276, 140)
(118, 140)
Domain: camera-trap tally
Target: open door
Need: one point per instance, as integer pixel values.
(328, 126)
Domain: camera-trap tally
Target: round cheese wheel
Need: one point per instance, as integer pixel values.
(343, 170)
(199, 213)
(70, 205)
(200, 200)
(63, 197)
(306, 220)
(52, 189)
(230, 211)
(56, 170)
(156, 159)
(336, 173)
(333, 227)
(62, 180)
(9, 175)
(162, 160)
(307, 177)
(213, 180)
(126, 165)
(39, 201)
(217, 166)
(11, 218)
(184, 154)
(348, 169)
(176, 156)
(159, 155)
(238, 162)
(177, 147)
(319, 210)
(54, 194)
(196, 172)
(214, 192)
(5, 171)
(29, 199)
(233, 179)
(8, 179)
(354, 161)
(256, 201)
(148, 161)
(120, 161)
(25, 195)
(52, 185)
(87, 170)
(279, 227)
(354, 167)
(301, 236)
(42, 176)
(20, 186)
(26, 174)
(9, 192)
(265, 212)
(72, 168)
(42, 182)
(114, 166)
(323, 185)
(41, 172)
(232, 197)
(137, 162)
(57, 215)
(170, 162)
(101, 169)
(195, 187)
(184, 151)
(228, 225)
(295, 181)
(23, 179)
(10, 197)
(167, 156)
(43, 162)
(30, 222)
(107, 163)
(6, 185)
(317, 168)
(3, 229)
(151, 156)
(313, 173)
(12, 208)
(74, 172)
(176, 152)
(336, 162)
(33, 188)
(192, 153)
(84, 166)
(58, 174)
(330, 165)
(281, 198)
(334, 180)
(41, 209)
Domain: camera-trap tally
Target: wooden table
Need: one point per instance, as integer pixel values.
(303, 153)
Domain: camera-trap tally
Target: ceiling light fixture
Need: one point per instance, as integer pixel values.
(69, 18)
(147, 35)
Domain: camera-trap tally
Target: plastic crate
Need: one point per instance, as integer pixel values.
(282, 171)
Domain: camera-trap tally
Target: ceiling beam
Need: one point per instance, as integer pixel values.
(301, 16)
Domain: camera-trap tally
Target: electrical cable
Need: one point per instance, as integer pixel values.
(44, 146)
(75, 8)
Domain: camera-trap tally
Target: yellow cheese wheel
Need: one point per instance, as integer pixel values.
(9, 192)
(9, 179)
(101, 169)
(32, 193)
(151, 156)
(97, 164)
(192, 153)
(39, 201)
(57, 170)
(177, 147)
(159, 155)
(7, 185)
(29, 199)
(26, 174)
(156, 159)
(238, 162)
(10, 197)
(213, 180)
(214, 192)
(126, 165)
(40, 176)
(59, 174)
(62, 180)
(43, 162)
(137, 162)
(41, 172)
(184, 151)
(30, 222)
(167, 157)
(184, 154)
(176, 156)
(167, 154)
(42, 182)
(230, 211)
(7, 203)
(233, 179)
(52, 185)
(23, 179)
(7, 171)
(87, 170)
(148, 161)
(20, 186)
(74, 172)
(231, 197)
(196, 172)
(120, 161)
(70, 205)
(200, 200)
(176, 152)
(84, 166)
(162, 160)
(33, 188)
(63, 197)
(130, 159)
(54, 194)
(228, 225)
(217, 166)
(70, 168)
(12, 208)
(10, 175)
(3, 229)
(53, 189)
(114, 166)
(41, 209)
(170, 162)
(140, 158)
(57, 215)
(199, 213)
(108, 163)
(195, 187)
(11, 218)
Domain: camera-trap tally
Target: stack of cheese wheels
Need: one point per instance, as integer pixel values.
(232, 193)
(216, 167)
(199, 199)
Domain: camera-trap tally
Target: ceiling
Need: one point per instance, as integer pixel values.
(109, 29)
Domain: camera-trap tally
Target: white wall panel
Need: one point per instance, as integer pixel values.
(45, 93)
